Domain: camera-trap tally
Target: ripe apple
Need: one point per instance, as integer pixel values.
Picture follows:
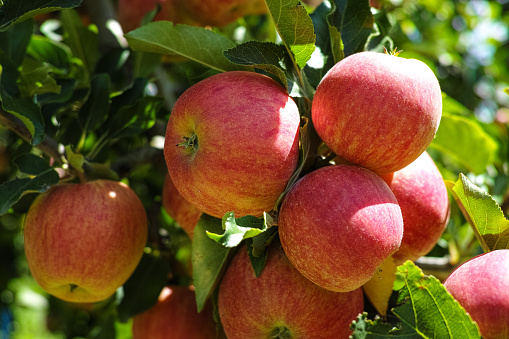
(83, 241)
(181, 210)
(480, 285)
(378, 110)
(282, 301)
(232, 143)
(338, 224)
(175, 316)
(422, 197)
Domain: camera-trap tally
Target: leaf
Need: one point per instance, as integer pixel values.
(14, 11)
(209, 259)
(27, 111)
(150, 277)
(35, 78)
(76, 160)
(353, 21)
(54, 54)
(236, 230)
(379, 288)
(194, 43)
(95, 110)
(14, 42)
(258, 249)
(31, 164)
(466, 141)
(427, 307)
(11, 191)
(267, 56)
(295, 28)
(483, 213)
(364, 328)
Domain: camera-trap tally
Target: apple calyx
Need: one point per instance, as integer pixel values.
(281, 332)
(191, 141)
(394, 52)
(73, 287)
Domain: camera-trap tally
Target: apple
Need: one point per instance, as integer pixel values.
(424, 202)
(281, 302)
(338, 224)
(378, 110)
(175, 316)
(480, 285)
(232, 143)
(182, 211)
(83, 241)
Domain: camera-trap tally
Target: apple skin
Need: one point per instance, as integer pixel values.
(181, 210)
(480, 285)
(424, 202)
(175, 316)
(282, 299)
(246, 148)
(338, 224)
(378, 110)
(83, 241)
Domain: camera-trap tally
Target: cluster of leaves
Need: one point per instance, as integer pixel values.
(57, 87)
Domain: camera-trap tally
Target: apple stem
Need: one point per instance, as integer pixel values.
(281, 332)
(191, 141)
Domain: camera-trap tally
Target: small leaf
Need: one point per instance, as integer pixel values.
(258, 249)
(14, 11)
(466, 141)
(379, 288)
(95, 110)
(150, 276)
(483, 213)
(53, 53)
(194, 43)
(76, 160)
(427, 307)
(36, 78)
(364, 328)
(295, 28)
(209, 259)
(236, 230)
(31, 164)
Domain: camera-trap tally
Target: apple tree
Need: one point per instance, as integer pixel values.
(255, 220)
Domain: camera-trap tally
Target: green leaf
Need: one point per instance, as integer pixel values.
(258, 249)
(27, 111)
(364, 328)
(353, 22)
(483, 213)
(82, 40)
(31, 164)
(194, 43)
(134, 119)
(465, 140)
(236, 230)
(76, 160)
(95, 110)
(267, 56)
(36, 78)
(11, 191)
(14, 42)
(150, 277)
(209, 259)
(295, 28)
(427, 307)
(54, 54)
(15, 11)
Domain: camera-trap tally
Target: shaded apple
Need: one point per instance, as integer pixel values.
(378, 110)
(175, 316)
(338, 224)
(232, 143)
(480, 285)
(282, 303)
(182, 211)
(83, 241)
(424, 202)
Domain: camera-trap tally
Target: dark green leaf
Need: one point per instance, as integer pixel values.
(364, 328)
(133, 120)
(295, 28)
(267, 56)
(144, 286)
(36, 78)
(209, 259)
(14, 42)
(14, 11)
(11, 191)
(194, 43)
(31, 164)
(56, 55)
(257, 249)
(95, 110)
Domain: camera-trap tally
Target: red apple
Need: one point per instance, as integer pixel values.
(83, 241)
(281, 301)
(338, 224)
(481, 286)
(378, 110)
(182, 211)
(175, 316)
(232, 143)
(422, 197)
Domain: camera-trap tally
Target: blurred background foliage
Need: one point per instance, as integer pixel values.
(464, 41)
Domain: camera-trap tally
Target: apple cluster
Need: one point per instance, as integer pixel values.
(232, 144)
